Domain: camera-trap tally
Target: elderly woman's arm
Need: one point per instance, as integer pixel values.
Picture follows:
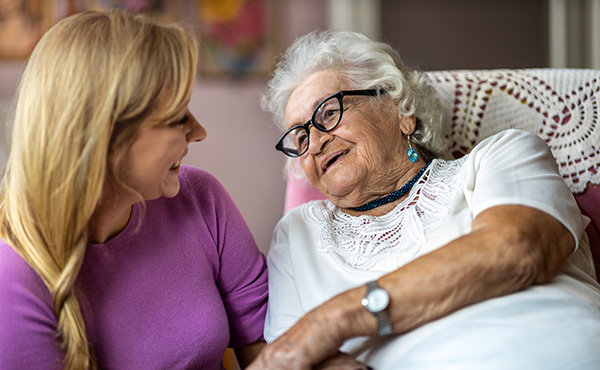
(510, 248)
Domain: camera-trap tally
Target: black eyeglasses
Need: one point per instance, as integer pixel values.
(326, 117)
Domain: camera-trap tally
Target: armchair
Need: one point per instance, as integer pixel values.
(559, 105)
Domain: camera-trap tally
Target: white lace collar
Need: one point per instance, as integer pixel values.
(362, 241)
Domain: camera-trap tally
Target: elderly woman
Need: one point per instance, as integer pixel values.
(414, 261)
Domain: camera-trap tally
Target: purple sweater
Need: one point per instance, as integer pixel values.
(172, 294)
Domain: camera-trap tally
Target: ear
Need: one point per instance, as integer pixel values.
(407, 124)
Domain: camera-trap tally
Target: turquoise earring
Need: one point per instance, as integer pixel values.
(413, 156)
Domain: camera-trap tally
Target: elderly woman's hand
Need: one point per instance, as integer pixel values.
(301, 347)
(339, 361)
(315, 338)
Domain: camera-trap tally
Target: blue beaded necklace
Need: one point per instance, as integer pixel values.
(393, 196)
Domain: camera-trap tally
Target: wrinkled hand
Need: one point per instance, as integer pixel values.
(312, 340)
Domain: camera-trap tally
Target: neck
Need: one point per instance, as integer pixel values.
(111, 216)
(108, 225)
(392, 197)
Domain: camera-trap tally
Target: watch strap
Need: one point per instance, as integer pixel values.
(384, 327)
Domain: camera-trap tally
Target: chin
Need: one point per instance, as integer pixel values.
(171, 193)
(340, 187)
(171, 190)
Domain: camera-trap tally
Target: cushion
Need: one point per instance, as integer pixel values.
(589, 202)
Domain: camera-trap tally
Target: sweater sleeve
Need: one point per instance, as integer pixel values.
(27, 323)
(241, 272)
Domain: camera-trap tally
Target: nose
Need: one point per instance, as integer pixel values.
(317, 140)
(197, 132)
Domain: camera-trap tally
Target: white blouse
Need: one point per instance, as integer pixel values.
(318, 251)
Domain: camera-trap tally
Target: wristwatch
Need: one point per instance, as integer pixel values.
(376, 301)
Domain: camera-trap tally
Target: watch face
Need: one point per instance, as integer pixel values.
(378, 300)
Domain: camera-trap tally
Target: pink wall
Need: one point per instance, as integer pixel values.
(239, 151)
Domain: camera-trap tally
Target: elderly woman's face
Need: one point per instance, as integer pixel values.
(360, 158)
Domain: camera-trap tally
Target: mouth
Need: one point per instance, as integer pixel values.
(332, 159)
(176, 165)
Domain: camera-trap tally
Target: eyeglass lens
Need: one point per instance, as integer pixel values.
(325, 118)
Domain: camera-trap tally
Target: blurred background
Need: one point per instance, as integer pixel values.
(240, 40)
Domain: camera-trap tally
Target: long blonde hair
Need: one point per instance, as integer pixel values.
(89, 83)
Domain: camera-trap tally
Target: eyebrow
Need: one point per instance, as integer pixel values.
(314, 105)
(318, 101)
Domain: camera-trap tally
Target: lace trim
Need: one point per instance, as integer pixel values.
(362, 241)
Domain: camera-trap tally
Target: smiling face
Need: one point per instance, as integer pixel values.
(151, 163)
(365, 156)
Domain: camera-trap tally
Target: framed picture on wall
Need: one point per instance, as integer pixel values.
(237, 37)
(22, 24)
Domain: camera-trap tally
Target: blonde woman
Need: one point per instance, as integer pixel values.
(114, 255)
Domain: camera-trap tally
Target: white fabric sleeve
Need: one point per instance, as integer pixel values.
(284, 307)
(517, 167)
